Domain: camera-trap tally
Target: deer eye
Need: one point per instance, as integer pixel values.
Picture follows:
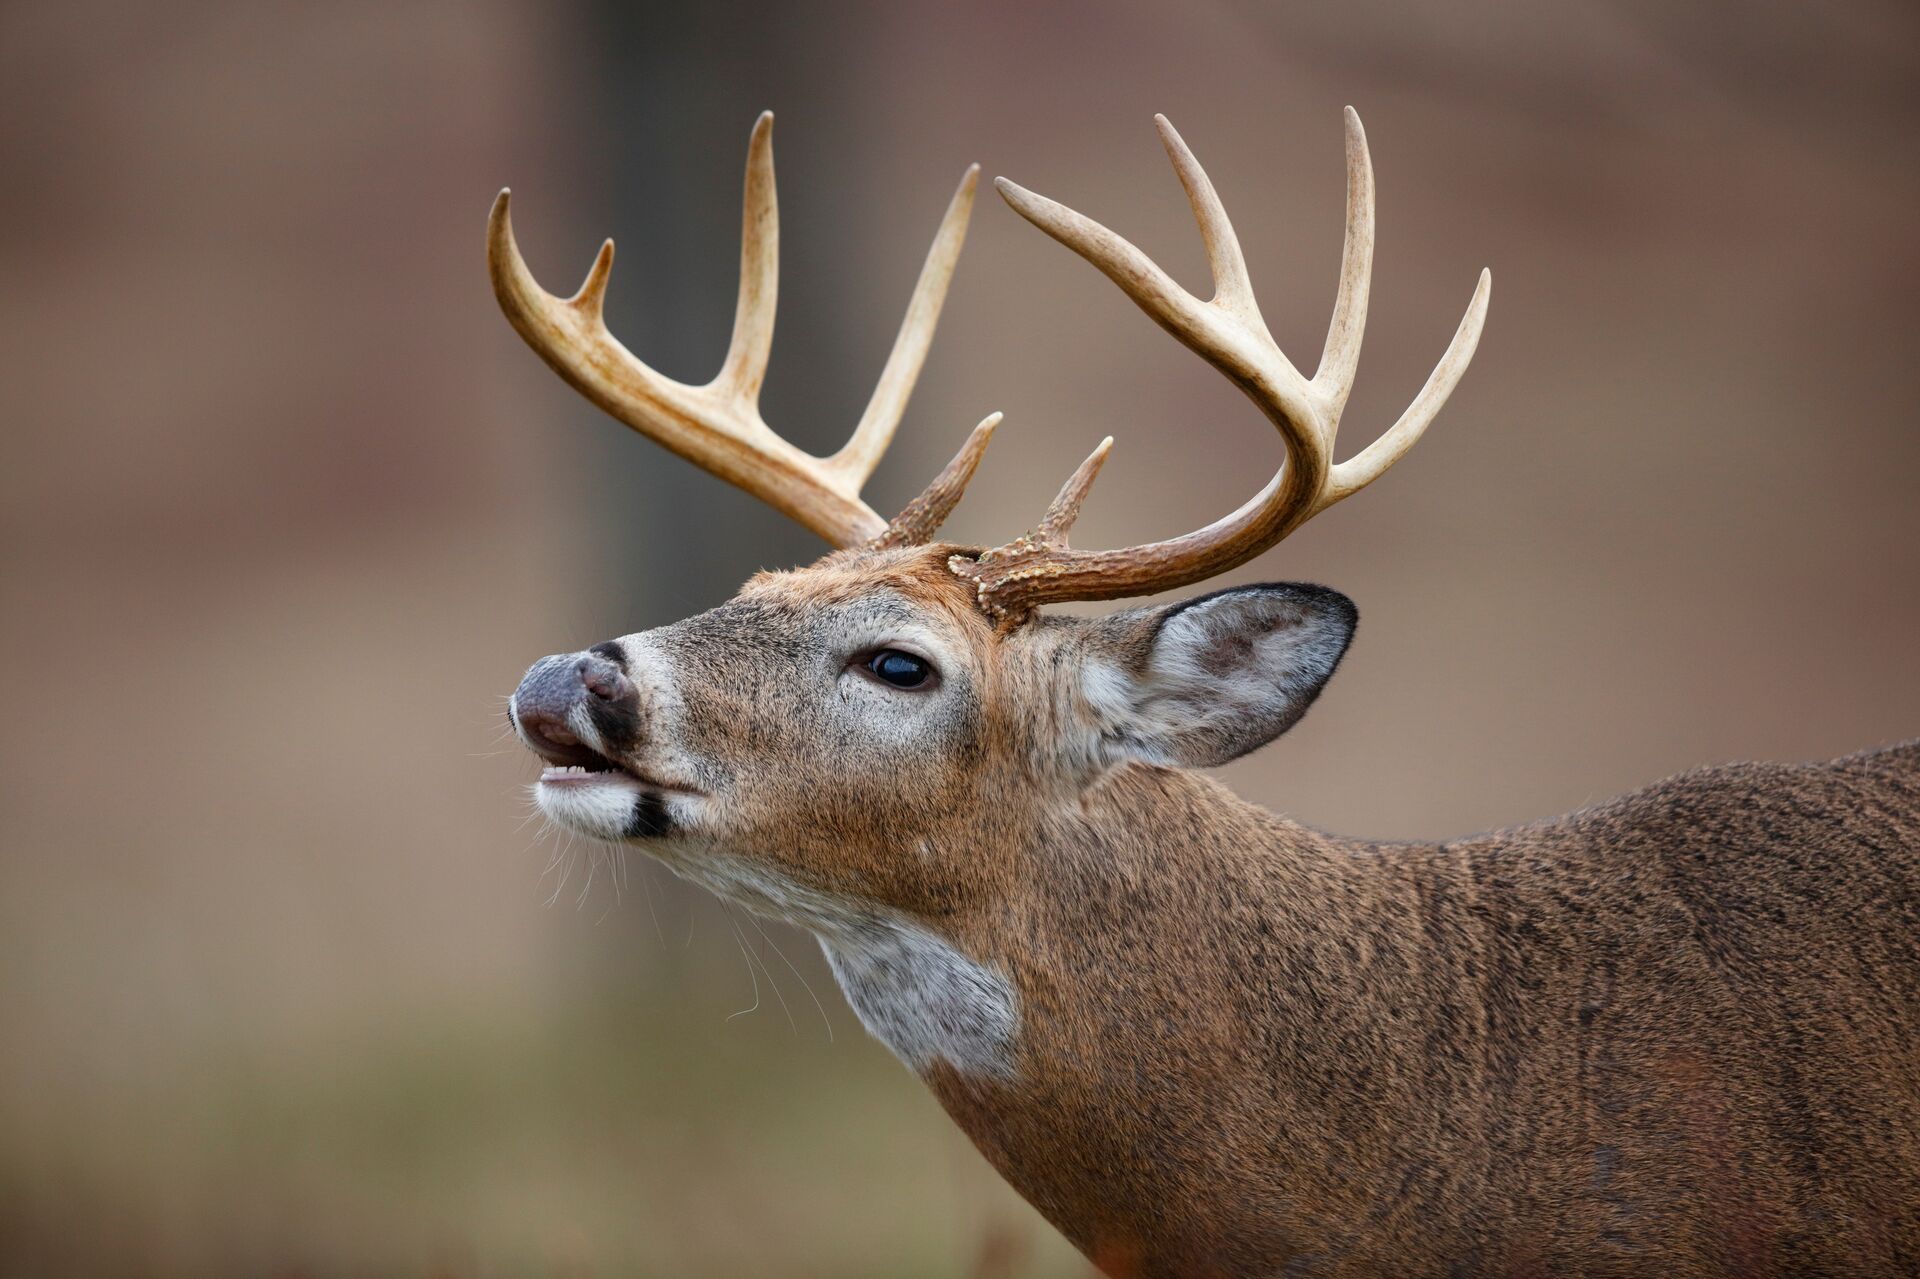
(902, 670)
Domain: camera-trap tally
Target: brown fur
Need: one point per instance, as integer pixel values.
(1674, 1034)
(1678, 1033)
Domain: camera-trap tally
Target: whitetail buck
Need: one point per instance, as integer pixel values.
(1677, 1033)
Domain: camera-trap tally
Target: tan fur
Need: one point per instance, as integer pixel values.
(1674, 1034)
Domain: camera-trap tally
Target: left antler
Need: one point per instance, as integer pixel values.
(1229, 334)
(718, 426)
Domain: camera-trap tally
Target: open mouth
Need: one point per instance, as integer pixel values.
(578, 774)
(588, 767)
(605, 800)
(571, 761)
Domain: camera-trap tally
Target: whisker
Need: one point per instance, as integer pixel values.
(771, 980)
(755, 977)
(593, 867)
(646, 891)
(559, 847)
(608, 852)
(804, 983)
(565, 854)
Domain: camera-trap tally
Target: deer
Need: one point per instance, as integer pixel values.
(1674, 1033)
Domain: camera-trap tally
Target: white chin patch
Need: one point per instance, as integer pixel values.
(604, 805)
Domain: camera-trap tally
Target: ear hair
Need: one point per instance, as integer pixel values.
(1206, 680)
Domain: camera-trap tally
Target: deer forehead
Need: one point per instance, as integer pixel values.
(835, 609)
(913, 577)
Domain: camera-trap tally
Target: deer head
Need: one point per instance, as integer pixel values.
(880, 740)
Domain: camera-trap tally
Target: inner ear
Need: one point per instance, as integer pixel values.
(1209, 679)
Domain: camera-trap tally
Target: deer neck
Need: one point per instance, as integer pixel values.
(1151, 865)
(1152, 893)
(923, 997)
(1180, 960)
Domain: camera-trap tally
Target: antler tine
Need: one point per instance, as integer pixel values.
(1370, 463)
(1228, 333)
(748, 351)
(874, 433)
(1064, 510)
(922, 517)
(570, 334)
(1233, 288)
(590, 300)
(1138, 276)
(1340, 358)
(1232, 339)
(718, 426)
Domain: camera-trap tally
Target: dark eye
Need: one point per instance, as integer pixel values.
(902, 670)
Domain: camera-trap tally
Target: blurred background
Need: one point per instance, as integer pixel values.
(289, 984)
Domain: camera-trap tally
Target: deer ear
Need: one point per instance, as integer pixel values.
(1204, 681)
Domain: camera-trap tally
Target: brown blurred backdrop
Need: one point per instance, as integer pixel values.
(285, 509)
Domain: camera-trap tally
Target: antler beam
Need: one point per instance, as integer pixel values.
(718, 426)
(1229, 333)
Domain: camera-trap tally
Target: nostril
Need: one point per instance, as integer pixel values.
(604, 680)
(552, 731)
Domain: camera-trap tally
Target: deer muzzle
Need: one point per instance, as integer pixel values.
(576, 709)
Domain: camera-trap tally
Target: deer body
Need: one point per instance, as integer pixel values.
(1674, 1034)
(1678, 1033)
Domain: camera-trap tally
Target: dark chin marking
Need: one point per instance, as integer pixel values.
(649, 819)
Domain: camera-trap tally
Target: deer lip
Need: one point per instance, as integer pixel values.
(599, 768)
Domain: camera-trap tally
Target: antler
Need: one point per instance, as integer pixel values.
(1229, 334)
(718, 426)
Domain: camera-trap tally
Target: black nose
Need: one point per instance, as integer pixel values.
(556, 689)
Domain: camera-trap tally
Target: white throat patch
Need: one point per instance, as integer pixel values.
(922, 998)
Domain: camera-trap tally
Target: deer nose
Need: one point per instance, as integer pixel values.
(543, 706)
(603, 679)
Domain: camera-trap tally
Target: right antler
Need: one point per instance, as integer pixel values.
(718, 426)
(1230, 335)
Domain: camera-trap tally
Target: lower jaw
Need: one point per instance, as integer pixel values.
(604, 805)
